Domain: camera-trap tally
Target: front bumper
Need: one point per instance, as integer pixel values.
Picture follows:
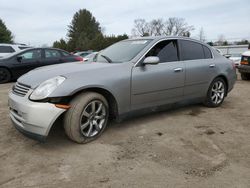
(33, 119)
(244, 68)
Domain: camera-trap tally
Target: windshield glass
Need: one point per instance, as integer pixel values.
(122, 51)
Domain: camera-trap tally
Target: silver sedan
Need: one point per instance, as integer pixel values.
(128, 78)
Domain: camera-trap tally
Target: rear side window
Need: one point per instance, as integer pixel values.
(52, 54)
(165, 50)
(191, 50)
(207, 53)
(6, 49)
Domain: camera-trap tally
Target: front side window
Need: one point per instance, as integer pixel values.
(33, 54)
(6, 49)
(191, 50)
(122, 51)
(65, 53)
(166, 51)
(52, 54)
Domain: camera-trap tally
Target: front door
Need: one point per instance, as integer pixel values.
(159, 84)
(27, 61)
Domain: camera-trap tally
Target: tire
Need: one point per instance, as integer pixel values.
(216, 93)
(5, 75)
(245, 76)
(83, 115)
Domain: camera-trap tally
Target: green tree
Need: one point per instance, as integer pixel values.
(101, 42)
(60, 44)
(5, 33)
(83, 29)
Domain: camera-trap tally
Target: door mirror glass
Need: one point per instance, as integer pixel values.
(19, 58)
(153, 60)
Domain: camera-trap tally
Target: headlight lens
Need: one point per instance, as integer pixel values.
(46, 88)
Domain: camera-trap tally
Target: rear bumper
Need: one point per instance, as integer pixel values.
(33, 119)
(244, 68)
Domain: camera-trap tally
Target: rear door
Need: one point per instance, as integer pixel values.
(52, 56)
(199, 65)
(163, 83)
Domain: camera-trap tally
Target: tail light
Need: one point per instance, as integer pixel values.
(244, 61)
(78, 58)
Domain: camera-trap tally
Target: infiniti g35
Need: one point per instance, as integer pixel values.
(130, 76)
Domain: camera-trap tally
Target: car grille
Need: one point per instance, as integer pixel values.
(20, 89)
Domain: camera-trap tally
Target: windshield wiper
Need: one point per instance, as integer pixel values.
(107, 58)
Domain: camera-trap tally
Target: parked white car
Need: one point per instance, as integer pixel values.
(235, 58)
(6, 49)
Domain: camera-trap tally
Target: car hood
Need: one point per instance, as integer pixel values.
(68, 70)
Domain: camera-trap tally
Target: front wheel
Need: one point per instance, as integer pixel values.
(87, 118)
(5, 75)
(216, 93)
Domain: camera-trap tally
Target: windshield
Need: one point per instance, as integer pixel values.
(122, 51)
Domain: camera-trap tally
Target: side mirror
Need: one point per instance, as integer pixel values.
(152, 60)
(19, 58)
(227, 55)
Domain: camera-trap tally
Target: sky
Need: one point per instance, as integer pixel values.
(41, 22)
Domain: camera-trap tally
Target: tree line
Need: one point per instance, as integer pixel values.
(86, 33)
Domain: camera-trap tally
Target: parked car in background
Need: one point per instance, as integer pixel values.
(6, 49)
(19, 63)
(236, 58)
(90, 57)
(131, 76)
(84, 53)
(244, 67)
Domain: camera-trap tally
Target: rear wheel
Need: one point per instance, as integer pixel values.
(5, 75)
(87, 118)
(245, 76)
(216, 93)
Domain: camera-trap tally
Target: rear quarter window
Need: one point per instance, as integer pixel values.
(191, 50)
(207, 53)
(6, 49)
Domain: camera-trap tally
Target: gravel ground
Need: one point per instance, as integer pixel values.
(192, 146)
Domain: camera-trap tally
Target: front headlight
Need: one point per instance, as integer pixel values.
(46, 88)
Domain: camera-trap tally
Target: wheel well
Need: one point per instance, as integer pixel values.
(225, 80)
(113, 107)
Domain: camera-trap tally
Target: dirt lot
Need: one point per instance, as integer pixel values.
(192, 146)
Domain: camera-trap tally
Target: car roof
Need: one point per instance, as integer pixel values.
(159, 38)
(6, 44)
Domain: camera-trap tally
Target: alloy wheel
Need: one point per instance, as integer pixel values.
(218, 92)
(93, 118)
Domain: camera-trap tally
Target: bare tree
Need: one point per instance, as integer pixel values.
(172, 26)
(156, 27)
(177, 27)
(201, 35)
(141, 28)
(221, 40)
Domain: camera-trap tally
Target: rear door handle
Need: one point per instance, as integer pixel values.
(178, 70)
(212, 65)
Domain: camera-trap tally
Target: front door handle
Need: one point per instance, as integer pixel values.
(212, 65)
(178, 70)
